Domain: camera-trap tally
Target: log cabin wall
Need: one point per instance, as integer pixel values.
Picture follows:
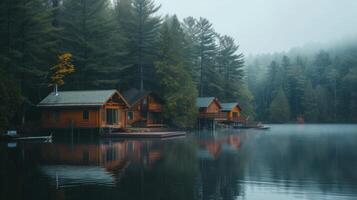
(136, 110)
(213, 107)
(70, 117)
(121, 115)
(231, 116)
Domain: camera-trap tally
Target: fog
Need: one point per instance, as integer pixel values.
(262, 26)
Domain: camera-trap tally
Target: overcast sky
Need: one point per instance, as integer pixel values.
(262, 26)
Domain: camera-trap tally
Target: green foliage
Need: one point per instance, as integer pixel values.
(27, 43)
(320, 87)
(142, 43)
(176, 85)
(119, 44)
(279, 108)
(311, 111)
(10, 99)
(246, 101)
(206, 48)
(87, 34)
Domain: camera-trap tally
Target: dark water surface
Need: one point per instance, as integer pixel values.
(286, 162)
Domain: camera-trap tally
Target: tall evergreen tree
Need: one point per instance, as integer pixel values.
(279, 108)
(207, 50)
(230, 65)
(176, 85)
(311, 111)
(10, 99)
(285, 68)
(27, 47)
(88, 29)
(143, 41)
(297, 80)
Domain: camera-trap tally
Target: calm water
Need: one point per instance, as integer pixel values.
(286, 162)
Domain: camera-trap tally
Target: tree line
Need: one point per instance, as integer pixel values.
(119, 44)
(306, 84)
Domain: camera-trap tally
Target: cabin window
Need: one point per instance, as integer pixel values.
(130, 115)
(145, 101)
(56, 116)
(112, 116)
(86, 115)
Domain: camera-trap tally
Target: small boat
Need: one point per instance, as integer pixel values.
(15, 137)
(257, 127)
(263, 128)
(41, 138)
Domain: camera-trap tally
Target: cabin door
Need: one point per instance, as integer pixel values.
(144, 108)
(112, 116)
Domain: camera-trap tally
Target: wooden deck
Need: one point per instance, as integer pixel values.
(145, 135)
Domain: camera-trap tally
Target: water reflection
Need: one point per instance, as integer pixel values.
(287, 162)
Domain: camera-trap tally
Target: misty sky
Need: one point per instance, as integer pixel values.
(262, 26)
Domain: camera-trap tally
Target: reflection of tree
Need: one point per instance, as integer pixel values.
(172, 177)
(219, 176)
(19, 176)
(303, 161)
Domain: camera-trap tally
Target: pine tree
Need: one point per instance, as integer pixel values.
(10, 98)
(279, 108)
(321, 63)
(296, 76)
(88, 30)
(207, 50)
(274, 80)
(176, 85)
(27, 43)
(285, 68)
(230, 66)
(311, 111)
(143, 41)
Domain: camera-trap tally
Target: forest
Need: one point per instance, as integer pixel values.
(126, 43)
(114, 44)
(314, 83)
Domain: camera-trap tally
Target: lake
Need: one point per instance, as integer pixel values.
(286, 162)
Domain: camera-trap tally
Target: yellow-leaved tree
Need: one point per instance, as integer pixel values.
(60, 70)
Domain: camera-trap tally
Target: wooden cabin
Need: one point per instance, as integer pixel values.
(232, 111)
(84, 109)
(145, 108)
(210, 108)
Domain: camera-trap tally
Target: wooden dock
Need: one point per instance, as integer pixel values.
(145, 135)
(22, 138)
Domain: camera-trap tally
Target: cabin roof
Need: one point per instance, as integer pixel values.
(229, 106)
(78, 98)
(204, 102)
(134, 95)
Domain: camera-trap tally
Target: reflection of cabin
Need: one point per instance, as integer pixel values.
(232, 111)
(210, 108)
(102, 163)
(212, 148)
(84, 109)
(145, 108)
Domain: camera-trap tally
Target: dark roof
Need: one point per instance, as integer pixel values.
(78, 98)
(133, 95)
(204, 102)
(229, 106)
